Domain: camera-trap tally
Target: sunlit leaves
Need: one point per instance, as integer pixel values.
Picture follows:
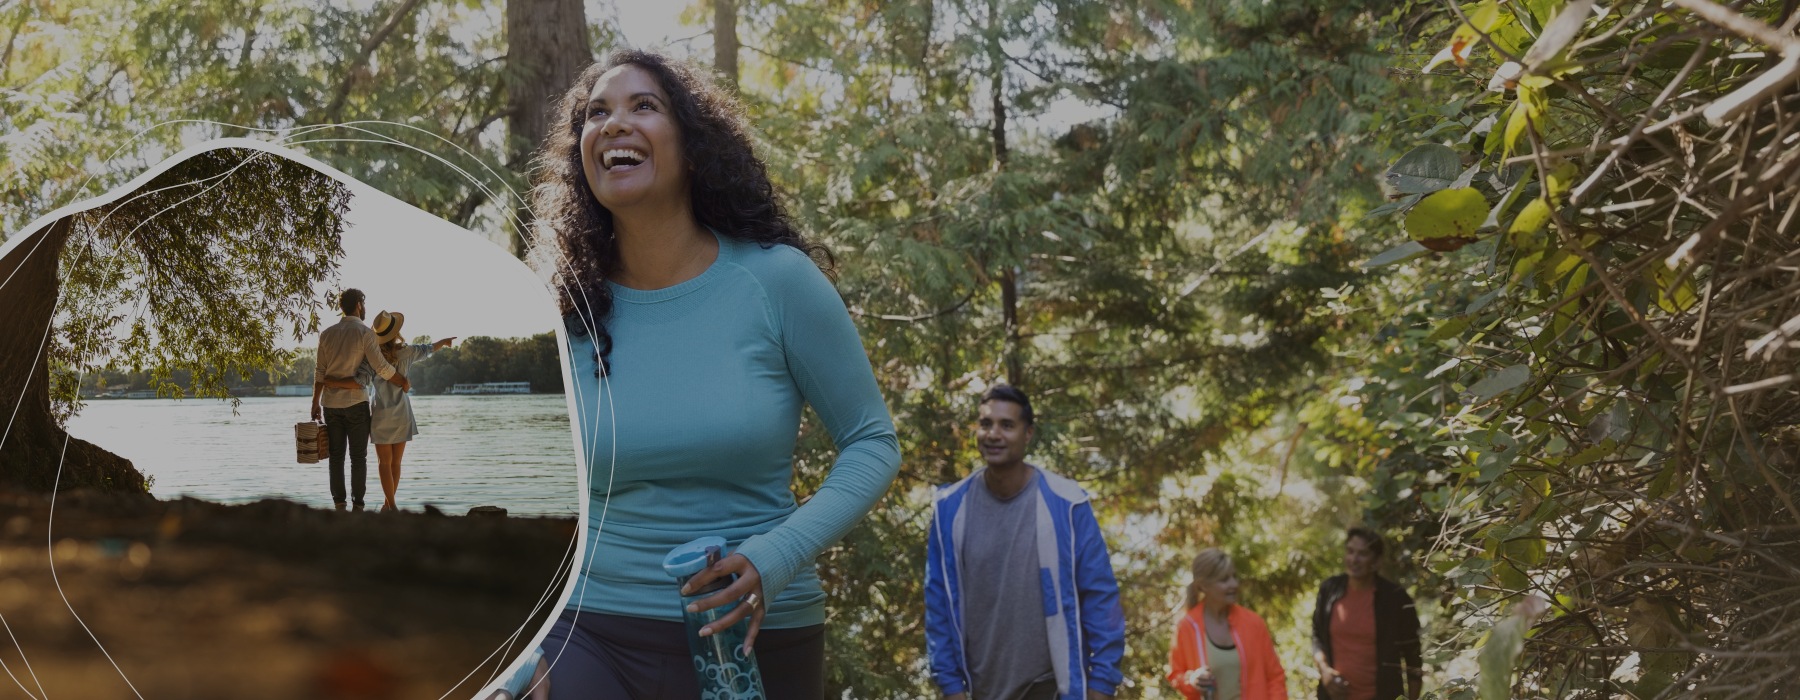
(1448, 219)
(1585, 361)
(1530, 222)
(1170, 246)
(203, 269)
(1483, 17)
(112, 79)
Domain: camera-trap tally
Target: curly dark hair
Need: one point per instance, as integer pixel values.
(728, 187)
(349, 299)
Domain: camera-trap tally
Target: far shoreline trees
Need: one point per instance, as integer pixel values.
(473, 360)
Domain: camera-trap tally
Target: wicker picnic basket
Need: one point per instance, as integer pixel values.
(310, 444)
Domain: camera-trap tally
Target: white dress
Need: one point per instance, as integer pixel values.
(390, 410)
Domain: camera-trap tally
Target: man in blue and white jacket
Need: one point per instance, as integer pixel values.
(1020, 599)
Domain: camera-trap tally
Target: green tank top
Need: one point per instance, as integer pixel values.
(1226, 671)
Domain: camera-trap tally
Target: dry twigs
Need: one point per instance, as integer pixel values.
(1670, 359)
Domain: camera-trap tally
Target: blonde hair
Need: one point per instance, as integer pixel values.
(1210, 565)
(390, 350)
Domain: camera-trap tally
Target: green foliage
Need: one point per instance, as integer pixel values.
(1425, 170)
(199, 271)
(1579, 434)
(1554, 403)
(296, 369)
(97, 90)
(484, 359)
(1501, 649)
(471, 360)
(1150, 272)
(1447, 214)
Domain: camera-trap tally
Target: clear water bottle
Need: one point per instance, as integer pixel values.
(725, 671)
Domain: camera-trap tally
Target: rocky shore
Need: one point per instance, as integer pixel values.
(107, 595)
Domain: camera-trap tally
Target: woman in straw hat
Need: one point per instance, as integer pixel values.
(391, 423)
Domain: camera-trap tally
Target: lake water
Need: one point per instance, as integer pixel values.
(509, 451)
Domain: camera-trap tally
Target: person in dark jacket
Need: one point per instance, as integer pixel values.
(1365, 629)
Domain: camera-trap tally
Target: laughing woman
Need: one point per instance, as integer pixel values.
(694, 306)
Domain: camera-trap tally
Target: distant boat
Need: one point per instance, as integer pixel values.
(141, 394)
(484, 388)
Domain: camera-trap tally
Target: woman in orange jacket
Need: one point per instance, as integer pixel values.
(1222, 651)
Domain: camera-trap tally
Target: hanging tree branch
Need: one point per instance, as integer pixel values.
(374, 41)
(921, 317)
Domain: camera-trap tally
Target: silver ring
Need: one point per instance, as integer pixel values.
(753, 600)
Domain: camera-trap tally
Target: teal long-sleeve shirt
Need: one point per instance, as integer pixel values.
(708, 379)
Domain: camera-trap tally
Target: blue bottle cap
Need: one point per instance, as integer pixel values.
(690, 558)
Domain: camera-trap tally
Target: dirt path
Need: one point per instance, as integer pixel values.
(193, 599)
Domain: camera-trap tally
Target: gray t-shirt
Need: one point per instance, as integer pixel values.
(1005, 637)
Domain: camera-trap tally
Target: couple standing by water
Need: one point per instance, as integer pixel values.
(352, 358)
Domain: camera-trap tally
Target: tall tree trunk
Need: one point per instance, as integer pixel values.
(1009, 301)
(725, 41)
(546, 47)
(36, 453)
(1009, 279)
(997, 88)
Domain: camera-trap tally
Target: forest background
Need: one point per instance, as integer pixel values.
(1514, 282)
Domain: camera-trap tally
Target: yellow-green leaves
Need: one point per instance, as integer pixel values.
(1556, 36)
(1517, 120)
(1526, 233)
(1529, 111)
(1542, 10)
(1674, 291)
(1447, 220)
(1560, 180)
(1528, 223)
(1483, 18)
(1448, 217)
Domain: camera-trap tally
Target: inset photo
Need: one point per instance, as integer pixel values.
(273, 432)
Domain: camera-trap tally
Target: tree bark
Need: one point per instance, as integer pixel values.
(725, 41)
(35, 452)
(997, 93)
(546, 48)
(1009, 301)
(1009, 279)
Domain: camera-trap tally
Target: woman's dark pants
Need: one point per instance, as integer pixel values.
(634, 658)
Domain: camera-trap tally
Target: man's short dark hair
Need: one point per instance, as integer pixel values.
(1369, 537)
(349, 299)
(1002, 392)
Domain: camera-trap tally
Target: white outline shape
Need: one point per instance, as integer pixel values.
(279, 149)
